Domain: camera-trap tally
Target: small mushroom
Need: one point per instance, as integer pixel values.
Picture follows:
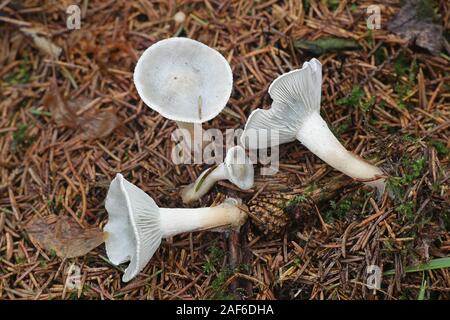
(237, 168)
(295, 113)
(184, 80)
(136, 224)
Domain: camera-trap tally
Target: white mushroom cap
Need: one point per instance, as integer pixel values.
(184, 80)
(134, 236)
(239, 168)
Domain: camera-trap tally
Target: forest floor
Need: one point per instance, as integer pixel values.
(70, 119)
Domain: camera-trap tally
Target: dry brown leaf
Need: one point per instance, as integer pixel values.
(43, 44)
(93, 124)
(414, 22)
(99, 125)
(60, 110)
(63, 236)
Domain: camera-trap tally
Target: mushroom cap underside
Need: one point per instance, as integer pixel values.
(239, 167)
(133, 227)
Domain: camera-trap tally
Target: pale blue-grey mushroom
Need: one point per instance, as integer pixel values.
(295, 115)
(237, 168)
(136, 225)
(184, 80)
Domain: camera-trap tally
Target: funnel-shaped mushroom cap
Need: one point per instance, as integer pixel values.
(184, 80)
(296, 95)
(239, 168)
(133, 226)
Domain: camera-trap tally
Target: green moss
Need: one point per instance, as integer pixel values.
(296, 200)
(351, 205)
(216, 256)
(20, 260)
(401, 65)
(20, 75)
(306, 5)
(77, 198)
(380, 55)
(440, 147)
(215, 261)
(43, 263)
(310, 189)
(354, 98)
(412, 170)
(366, 105)
(20, 137)
(331, 4)
(56, 204)
(220, 293)
(409, 138)
(52, 253)
(406, 210)
(338, 210)
(343, 127)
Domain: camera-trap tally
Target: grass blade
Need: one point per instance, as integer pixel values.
(423, 288)
(439, 263)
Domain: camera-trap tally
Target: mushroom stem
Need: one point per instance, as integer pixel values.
(236, 168)
(318, 138)
(176, 221)
(136, 224)
(195, 137)
(203, 184)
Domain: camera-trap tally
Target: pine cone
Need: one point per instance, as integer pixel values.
(268, 213)
(273, 211)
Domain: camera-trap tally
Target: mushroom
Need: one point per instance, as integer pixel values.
(237, 168)
(136, 224)
(295, 114)
(184, 80)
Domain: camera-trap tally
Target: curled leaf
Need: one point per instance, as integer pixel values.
(414, 22)
(61, 112)
(63, 236)
(92, 124)
(43, 44)
(323, 45)
(99, 125)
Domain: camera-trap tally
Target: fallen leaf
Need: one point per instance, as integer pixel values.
(92, 124)
(414, 22)
(321, 46)
(60, 110)
(43, 44)
(99, 125)
(105, 54)
(63, 236)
